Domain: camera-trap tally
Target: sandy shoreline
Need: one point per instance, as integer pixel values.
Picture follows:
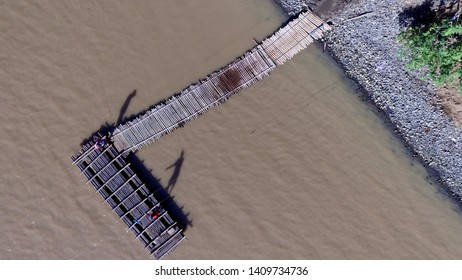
(366, 49)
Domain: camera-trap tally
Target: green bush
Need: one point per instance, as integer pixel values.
(437, 49)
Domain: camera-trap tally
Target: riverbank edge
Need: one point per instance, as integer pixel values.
(366, 49)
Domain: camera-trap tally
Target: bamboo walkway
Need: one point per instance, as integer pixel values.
(113, 178)
(294, 37)
(103, 161)
(220, 85)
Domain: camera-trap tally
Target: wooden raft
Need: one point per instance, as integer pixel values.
(113, 178)
(218, 86)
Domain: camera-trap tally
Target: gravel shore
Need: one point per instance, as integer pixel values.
(366, 49)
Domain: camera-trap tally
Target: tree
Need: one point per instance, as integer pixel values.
(436, 47)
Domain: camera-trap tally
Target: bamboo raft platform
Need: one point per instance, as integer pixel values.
(103, 160)
(220, 85)
(121, 188)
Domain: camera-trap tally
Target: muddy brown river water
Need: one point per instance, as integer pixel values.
(295, 167)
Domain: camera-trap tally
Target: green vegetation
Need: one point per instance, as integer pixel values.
(437, 49)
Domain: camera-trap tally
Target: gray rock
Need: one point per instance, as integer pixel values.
(293, 7)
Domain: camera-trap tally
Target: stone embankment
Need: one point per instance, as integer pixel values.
(367, 50)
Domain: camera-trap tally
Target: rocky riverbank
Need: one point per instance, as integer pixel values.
(366, 49)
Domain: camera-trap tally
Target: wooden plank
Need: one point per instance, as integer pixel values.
(165, 242)
(116, 158)
(172, 248)
(162, 233)
(128, 196)
(151, 223)
(117, 173)
(125, 183)
(138, 204)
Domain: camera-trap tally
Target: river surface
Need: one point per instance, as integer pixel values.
(295, 167)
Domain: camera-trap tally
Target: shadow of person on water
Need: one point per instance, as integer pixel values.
(124, 107)
(176, 172)
(108, 128)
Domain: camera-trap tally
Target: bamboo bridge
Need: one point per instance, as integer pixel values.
(220, 85)
(103, 160)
